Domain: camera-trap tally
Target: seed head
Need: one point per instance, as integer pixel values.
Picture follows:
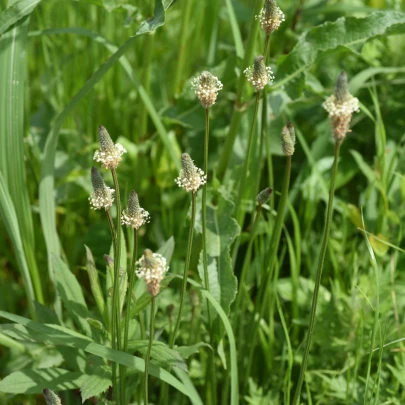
(152, 267)
(264, 196)
(288, 139)
(259, 75)
(191, 177)
(134, 215)
(102, 196)
(109, 154)
(51, 398)
(341, 107)
(270, 16)
(206, 86)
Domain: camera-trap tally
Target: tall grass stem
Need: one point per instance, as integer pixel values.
(147, 359)
(318, 279)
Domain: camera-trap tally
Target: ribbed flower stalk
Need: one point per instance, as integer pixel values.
(340, 107)
(133, 216)
(147, 358)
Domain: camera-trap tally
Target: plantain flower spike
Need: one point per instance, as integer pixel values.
(259, 75)
(288, 139)
(191, 177)
(109, 155)
(264, 196)
(270, 16)
(51, 398)
(206, 86)
(134, 215)
(152, 268)
(102, 196)
(340, 107)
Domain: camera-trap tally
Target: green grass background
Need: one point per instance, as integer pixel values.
(146, 102)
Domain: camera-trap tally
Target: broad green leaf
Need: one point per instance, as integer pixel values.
(222, 229)
(167, 249)
(368, 172)
(59, 335)
(96, 383)
(15, 12)
(35, 380)
(187, 351)
(164, 356)
(46, 188)
(346, 31)
(71, 294)
(379, 244)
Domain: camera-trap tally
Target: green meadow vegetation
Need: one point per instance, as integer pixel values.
(202, 202)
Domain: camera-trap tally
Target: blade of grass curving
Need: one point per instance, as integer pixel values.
(237, 38)
(12, 76)
(231, 338)
(46, 188)
(10, 220)
(15, 12)
(61, 336)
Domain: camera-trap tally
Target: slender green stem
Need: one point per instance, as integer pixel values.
(271, 258)
(115, 297)
(129, 296)
(245, 173)
(205, 256)
(112, 317)
(186, 269)
(266, 47)
(239, 102)
(318, 279)
(147, 359)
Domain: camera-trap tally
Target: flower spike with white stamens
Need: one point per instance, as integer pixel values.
(191, 177)
(270, 16)
(152, 268)
(109, 154)
(134, 215)
(102, 196)
(340, 107)
(206, 86)
(259, 75)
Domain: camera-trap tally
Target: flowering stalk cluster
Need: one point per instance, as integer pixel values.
(270, 16)
(206, 86)
(102, 196)
(259, 75)
(134, 215)
(340, 107)
(152, 268)
(191, 178)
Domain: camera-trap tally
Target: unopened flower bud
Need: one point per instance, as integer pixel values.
(270, 16)
(134, 215)
(341, 107)
(206, 86)
(51, 398)
(264, 196)
(288, 139)
(152, 267)
(191, 177)
(102, 196)
(109, 154)
(259, 75)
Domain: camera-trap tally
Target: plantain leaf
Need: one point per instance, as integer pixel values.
(62, 336)
(15, 12)
(222, 229)
(161, 353)
(96, 383)
(35, 380)
(345, 31)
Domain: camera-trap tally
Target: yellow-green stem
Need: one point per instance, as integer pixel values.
(186, 269)
(204, 245)
(245, 172)
(129, 295)
(115, 298)
(318, 278)
(147, 359)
